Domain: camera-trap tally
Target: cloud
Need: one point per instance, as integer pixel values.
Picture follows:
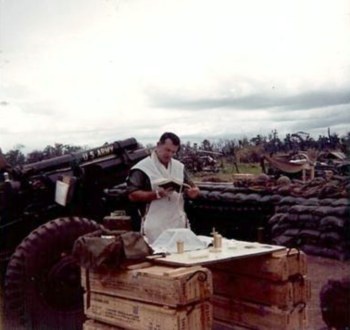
(91, 71)
(335, 117)
(301, 101)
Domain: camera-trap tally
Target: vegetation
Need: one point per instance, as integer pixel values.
(235, 152)
(16, 157)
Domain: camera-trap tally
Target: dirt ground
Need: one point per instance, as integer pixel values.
(1, 306)
(320, 270)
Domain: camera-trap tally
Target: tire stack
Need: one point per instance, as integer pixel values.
(234, 212)
(317, 226)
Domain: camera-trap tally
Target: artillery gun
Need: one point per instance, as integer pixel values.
(44, 207)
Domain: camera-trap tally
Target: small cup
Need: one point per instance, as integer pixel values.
(180, 246)
(217, 241)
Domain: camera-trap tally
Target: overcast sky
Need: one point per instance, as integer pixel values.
(85, 72)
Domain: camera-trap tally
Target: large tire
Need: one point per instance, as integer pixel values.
(42, 283)
(335, 303)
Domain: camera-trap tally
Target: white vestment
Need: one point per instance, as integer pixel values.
(167, 212)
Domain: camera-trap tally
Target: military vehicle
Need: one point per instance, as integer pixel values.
(44, 207)
(200, 160)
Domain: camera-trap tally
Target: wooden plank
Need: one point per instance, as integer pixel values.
(231, 250)
(131, 314)
(253, 289)
(156, 284)
(258, 316)
(302, 290)
(284, 294)
(278, 266)
(94, 325)
(220, 325)
(138, 265)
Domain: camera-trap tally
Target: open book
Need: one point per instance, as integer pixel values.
(171, 183)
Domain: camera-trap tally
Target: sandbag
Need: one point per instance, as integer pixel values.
(279, 229)
(277, 218)
(341, 202)
(290, 200)
(332, 222)
(282, 208)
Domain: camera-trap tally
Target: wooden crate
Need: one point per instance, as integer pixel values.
(156, 284)
(302, 290)
(284, 294)
(221, 325)
(131, 314)
(278, 266)
(95, 325)
(258, 316)
(117, 221)
(248, 288)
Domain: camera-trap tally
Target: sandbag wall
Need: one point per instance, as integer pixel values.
(313, 216)
(316, 226)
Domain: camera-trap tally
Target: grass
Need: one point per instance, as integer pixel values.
(227, 172)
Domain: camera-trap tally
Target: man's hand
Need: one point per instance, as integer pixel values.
(148, 196)
(192, 192)
(161, 192)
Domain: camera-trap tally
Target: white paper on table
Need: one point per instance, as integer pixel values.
(167, 241)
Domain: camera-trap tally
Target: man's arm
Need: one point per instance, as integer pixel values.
(188, 180)
(192, 192)
(139, 188)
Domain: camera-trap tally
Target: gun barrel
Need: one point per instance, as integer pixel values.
(116, 148)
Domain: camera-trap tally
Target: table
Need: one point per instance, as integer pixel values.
(231, 249)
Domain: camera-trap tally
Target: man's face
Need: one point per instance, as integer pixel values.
(166, 151)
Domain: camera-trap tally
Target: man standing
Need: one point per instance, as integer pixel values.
(162, 208)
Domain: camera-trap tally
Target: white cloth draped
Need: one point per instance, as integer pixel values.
(167, 212)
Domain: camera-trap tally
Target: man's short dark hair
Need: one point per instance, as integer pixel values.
(173, 137)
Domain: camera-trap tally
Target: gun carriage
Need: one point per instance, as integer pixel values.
(44, 207)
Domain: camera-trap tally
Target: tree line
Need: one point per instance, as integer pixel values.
(246, 149)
